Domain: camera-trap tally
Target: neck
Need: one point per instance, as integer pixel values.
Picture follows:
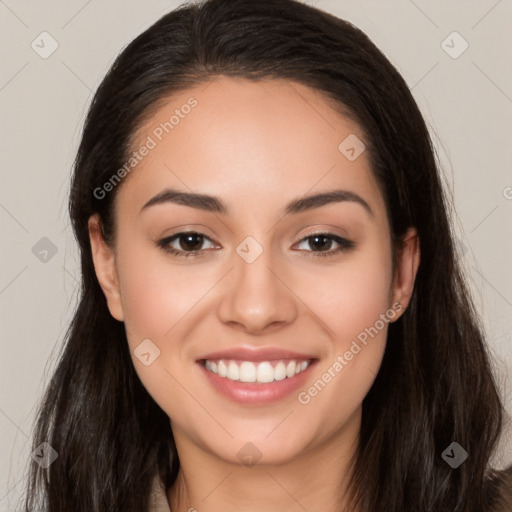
(314, 480)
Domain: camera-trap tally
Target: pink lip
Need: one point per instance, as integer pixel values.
(254, 393)
(255, 355)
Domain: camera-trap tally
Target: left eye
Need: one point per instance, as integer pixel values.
(190, 244)
(321, 240)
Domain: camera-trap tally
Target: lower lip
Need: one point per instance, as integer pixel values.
(253, 393)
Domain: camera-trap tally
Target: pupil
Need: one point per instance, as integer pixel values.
(191, 241)
(323, 239)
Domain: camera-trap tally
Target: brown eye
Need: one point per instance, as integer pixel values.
(189, 244)
(191, 241)
(321, 243)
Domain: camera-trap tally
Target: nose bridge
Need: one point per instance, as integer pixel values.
(256, 296)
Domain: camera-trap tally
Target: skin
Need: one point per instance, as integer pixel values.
(256, 146)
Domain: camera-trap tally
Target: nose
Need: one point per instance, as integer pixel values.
(256, 297)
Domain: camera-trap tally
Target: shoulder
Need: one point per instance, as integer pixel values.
(500, 490)
(499, 493)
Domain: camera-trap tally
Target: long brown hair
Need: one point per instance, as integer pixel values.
(435, 385)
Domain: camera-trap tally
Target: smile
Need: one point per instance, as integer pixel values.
(263, 372)
(256, 378)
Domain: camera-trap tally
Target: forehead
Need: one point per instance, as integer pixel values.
(248, 140)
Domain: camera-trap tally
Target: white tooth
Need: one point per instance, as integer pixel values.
(280, 371)
(222, 369)
(265, 372)
(233, 371)
(247, 372)
(290, 369)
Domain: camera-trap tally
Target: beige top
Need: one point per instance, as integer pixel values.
(158, 500)
(503, 492)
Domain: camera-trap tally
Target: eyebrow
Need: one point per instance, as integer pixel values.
(215, 205)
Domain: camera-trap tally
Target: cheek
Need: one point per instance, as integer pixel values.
(156, 294)
(156, 300)
(159, 299)
(351, 295)
(353, 302)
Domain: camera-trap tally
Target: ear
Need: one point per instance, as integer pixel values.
(408, 260)
(105, 266)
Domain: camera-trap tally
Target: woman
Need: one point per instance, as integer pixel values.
(272, 315)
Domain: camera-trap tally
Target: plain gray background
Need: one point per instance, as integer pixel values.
(465, 96)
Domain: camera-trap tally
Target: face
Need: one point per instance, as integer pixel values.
(258, 314)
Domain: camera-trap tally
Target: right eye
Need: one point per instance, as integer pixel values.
(188, 242)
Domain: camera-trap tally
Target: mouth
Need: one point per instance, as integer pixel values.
(261, 372)
(256, 377)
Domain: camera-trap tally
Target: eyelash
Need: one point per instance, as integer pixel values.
(344, 244)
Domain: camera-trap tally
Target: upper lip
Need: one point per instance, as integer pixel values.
(256, 355)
